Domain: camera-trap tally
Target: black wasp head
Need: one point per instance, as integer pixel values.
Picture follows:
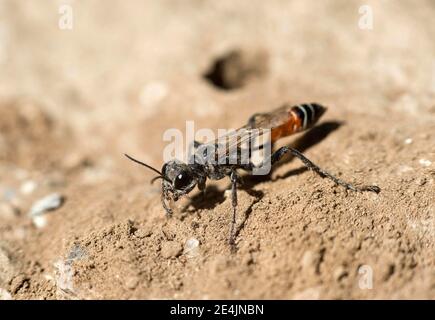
(179, 179)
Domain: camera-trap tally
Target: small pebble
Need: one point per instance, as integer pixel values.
(425, 162)
(191, 247)
(132, 282)
(39, 221)
(408, 141)
(171, 249)
(50, 202)
(28, 187)
(144, 232)
(5, 295)
(64, 276)
(310, 259)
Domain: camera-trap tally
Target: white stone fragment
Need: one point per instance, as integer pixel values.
(5, 295)
(191, 247)
(425, 162)
(28, 187)
(48, 203)
(39, 221)
(408, 141)
(64, 277)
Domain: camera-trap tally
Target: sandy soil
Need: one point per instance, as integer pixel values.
(73, 101)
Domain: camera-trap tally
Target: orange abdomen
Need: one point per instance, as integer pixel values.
(300, 117)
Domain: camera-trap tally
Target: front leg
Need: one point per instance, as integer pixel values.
(233, 178)
(202, 186)
(164, 197)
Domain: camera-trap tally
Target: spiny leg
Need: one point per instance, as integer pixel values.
(202, 187)
(164, 197)
(276, 156)
(233, 178)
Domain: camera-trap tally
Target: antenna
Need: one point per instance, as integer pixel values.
(144, 164)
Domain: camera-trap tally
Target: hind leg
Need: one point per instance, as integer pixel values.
(277, 155)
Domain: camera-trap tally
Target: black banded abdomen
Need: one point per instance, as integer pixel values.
(296, 118)
(306, 115)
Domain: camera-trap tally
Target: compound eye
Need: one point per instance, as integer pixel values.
(182, 181)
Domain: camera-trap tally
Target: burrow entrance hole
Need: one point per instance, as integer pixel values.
(236, 68)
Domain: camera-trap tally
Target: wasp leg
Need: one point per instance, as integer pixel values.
(324, 174)
(251, 120)
(166, 207)
(233, 178)
(164, 197)
(202, 187)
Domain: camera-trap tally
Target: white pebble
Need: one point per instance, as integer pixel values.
(408, 141)
(28, 187)
(50, 202)
(39, 221)
(5, 295)
(191, 247)
(425, 162)
(64, 277)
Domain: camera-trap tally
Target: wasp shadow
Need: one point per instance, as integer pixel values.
(208, 200)
(214, 196)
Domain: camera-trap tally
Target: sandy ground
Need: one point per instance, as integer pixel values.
(73, 101)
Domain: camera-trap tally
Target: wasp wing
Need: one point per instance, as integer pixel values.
(243, 138)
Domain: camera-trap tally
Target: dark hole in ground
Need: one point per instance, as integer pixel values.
(236, 68)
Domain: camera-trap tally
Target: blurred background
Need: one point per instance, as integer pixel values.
(82, 82)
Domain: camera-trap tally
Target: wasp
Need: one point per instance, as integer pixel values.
(180, 178)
